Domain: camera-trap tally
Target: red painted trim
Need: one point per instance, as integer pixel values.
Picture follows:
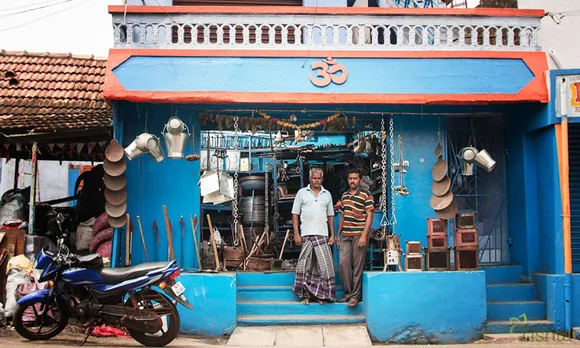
(535, 91)
(480, 12)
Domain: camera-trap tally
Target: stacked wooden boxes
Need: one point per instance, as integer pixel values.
(466, 241)
(437, 252)
(413, 257)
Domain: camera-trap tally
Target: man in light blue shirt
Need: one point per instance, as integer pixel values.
(313, 219)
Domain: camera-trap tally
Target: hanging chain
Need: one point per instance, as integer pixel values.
(393, 220)
(237, 163)
(383, 205)
(266, 203)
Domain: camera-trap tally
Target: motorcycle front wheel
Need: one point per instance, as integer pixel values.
(168, 332)
(30, 319)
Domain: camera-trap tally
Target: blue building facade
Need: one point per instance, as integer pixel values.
(437, 75)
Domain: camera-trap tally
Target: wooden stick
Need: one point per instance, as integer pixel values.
(168, 230)
(143, 238)
(284, 244)
(128, 241)
(215, 252)
(194, 231)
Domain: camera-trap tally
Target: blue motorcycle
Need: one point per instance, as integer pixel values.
(80, 287)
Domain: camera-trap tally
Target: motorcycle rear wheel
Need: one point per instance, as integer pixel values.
(60, 323)
(164, 337)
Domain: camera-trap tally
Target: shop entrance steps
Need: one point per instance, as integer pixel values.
(267, 299)
(301, 336)
(509, 297)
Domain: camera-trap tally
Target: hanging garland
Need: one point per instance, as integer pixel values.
(305, 126)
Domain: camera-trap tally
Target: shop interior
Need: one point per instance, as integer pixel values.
(266, 155)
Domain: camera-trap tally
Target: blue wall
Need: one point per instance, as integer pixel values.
(151, 185)
(287, 75)
(213, 297)
(400, 308)
(534, 191)
(419, 134)
(550, 289)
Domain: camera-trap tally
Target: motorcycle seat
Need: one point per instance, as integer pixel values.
(119, 275)
(91, 261)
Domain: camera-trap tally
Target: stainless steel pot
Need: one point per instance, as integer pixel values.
(252, 183)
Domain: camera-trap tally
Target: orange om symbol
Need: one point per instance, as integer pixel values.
(329, 68)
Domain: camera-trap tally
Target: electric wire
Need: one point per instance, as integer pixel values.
(43, 17)
(25, 6)
(34, 9)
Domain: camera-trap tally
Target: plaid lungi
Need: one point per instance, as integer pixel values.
(315, 269)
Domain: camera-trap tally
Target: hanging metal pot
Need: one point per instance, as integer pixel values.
(175, 138)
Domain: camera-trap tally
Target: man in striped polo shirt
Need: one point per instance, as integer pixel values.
(356, 218)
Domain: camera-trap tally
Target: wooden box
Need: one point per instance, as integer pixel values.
(436, 226)
(466, 220)
(438, 259)
(466, 238)
(437, 241)
(413, 262)
(413, 247)
(466, 258)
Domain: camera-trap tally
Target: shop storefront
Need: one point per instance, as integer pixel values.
(433, 113)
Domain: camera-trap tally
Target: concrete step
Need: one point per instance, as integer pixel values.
(511, 292)
(519, 327)
(296, 308)
(276, 320)
(264, 279)
(503, 274)
(272, 293)
(503, 311)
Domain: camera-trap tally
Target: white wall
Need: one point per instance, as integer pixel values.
(563, 38)
(52, 179)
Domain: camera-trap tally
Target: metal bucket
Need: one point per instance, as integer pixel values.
(484, 159)
(144, 143)
(175, 139)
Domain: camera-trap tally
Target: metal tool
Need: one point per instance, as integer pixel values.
(156, 231)
(215, 252)
(194, 224)
(143, 238)
(171, 253)
(128, 241)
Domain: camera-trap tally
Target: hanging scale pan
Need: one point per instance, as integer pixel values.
(115, 168)
(438, 150)
(114, 152)
(442, 202)
(448, 212)
(115, 183)
(439, 188)
(439, 169)
(116, 210)
(117, 222)
(116, 197)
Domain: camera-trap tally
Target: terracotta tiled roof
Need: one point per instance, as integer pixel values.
(44, 92)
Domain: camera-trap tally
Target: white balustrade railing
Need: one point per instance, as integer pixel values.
(277, 31)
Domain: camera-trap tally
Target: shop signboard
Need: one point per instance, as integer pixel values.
(568, 96)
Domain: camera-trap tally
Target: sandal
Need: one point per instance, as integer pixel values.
(322, 302)
(344, 299)
(352, 302)
(305, 301)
